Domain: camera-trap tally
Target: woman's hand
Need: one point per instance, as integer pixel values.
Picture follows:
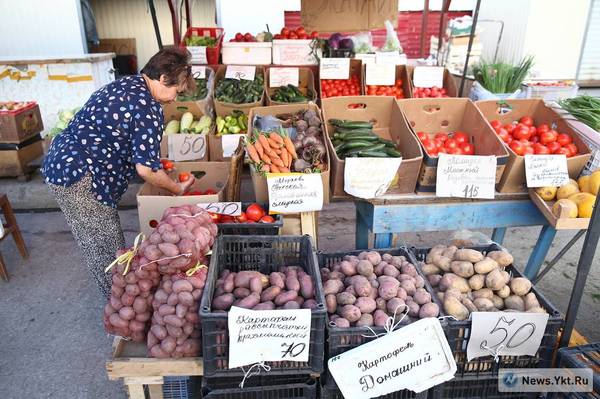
(186, 185)
(162, 180)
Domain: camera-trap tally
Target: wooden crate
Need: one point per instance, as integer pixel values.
(302, 223)
(559, 223)
(15, 162)
(130, 363)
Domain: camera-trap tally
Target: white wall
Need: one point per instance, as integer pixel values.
(252, 16)
(41, 28)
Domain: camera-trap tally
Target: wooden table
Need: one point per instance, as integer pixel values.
(425, 212)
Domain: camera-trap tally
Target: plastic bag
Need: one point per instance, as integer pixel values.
(478, 92)
(363, 43)
(392, 43)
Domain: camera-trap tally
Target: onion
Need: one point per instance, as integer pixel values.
(309, 140)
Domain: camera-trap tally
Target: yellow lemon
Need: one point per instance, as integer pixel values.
(595, 182)
(547, 193)
(584, 184)
(585, 203)
(568, 207)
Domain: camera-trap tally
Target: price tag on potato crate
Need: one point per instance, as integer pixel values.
(187, 147)
(369, 177)
(268, 335)
(503, 333)
(546, 170)
(466, 176)
(283, 76)
(428, 76)
(414, 357)
(334, 68)
(380, 74)
(223, 208)
(295, 192)
(239, 72)
(198, 71)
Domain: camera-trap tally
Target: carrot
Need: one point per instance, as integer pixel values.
(274, 169)
(265, 168)
(284, 158)
(266, 159)
(264, 142)
(277, 138)
(278, 152)
(284, 170)
(278, 162)
(252, 153)
(259, 148)
(274, 144)
(290, 147)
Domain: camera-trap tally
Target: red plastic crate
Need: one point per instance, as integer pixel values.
(212, 53)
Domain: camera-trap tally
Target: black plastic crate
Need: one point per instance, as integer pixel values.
(264, 254)
(458, 332)
(180, 387)
(252, 229)
(584, 356)
(266, 388)
(481, 386)
(334, 393)
(340, 340)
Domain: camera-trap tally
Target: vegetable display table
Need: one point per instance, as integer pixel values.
(426, 212)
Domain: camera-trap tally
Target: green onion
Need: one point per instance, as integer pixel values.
(501, 77)
(584, 108)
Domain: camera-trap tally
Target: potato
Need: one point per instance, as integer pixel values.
(292, 283)
(285, 297)
(127, 300)
(241, 292)
(506, 276)
(250, 301)
(362, 255)
(348, 268)
(223, 302)
(174, 331)
(310, 304)
(275, 279)
(419, 282)
(336, 276)
(453, 307)
(165, 310)
(401, 293)
(168, 344)
(291, 305)
(484, 304)
(381, 303)
(485, 266)
(350, 289)
(361, 285)
(388, 289)
(450, 251)
(536, 309)
(340, 322)
(324, 274)
(434, 279)
(503, 292)
(229, 283)
(365, 304)
(442, 262)
(437, 250)
(408, 286)
(378, 270)
(520, 286)
(483, 293)
(159, 332)
(477, 281)
(386, 257)
(469, 255)
(350, 313)
(462, 268)
(132, 289)
(531, 301)
(451, 280)
(242, 278)
(430, 269)
(494, 280)
(498, 302)
(469, 304)
(270, 293)
(429, 310)
(408, 268)
(182, 285)
(391, 271)
(126, 313)
(173, 299)
(503, 258)
(380, 318)
(452, 293)
(515, 302)
(256, 285)
(366, 320)
(307, 289)
(345, 298)
(413, 308)
(333, 286)
(395, 305)
(373, 257)
(421, 296)
(185, 298)
(374, 283)
(331, 303)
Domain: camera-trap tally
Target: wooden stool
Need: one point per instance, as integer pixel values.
(11, 227)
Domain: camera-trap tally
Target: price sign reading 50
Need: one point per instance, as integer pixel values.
(187, 147)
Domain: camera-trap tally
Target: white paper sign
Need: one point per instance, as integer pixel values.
(186, 147)
(268, 335)
(223, 208)
(238, 72)
(546, 170)
(229, 143)
(294, 54)
(295, 192)
(428, 76)
(366, 58)
(390, 57)
(380, 74)
(369, 177)
(466, 176)
(283, 76)
(414, 357)
(198, 72)
(334, 68)
(198, 54)
(505, 333)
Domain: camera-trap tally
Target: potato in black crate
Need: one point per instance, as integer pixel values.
(263, 254)
(458, 332)
(250, 229)
(264, 386)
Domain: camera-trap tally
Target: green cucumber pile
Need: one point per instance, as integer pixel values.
(290, 94)
(357, 139)
(240, 91)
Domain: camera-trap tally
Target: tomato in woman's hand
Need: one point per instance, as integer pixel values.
(255, 212)
(242, 218)
(526, 120)
(167, 164)
(460, 137)
(184, 176)
(563, 139)
(267, 219)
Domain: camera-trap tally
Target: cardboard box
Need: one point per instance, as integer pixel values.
(306, 84)
(401, 73)
(17, 126)
(508, 111)
(260, 182)
(175, 110)
(117, 46)
(433, 115)
(449, 82)
(243, 53)
(224, 109)
(153, 201)
(15, 157)
(390, 125)
(347, 16)
(355, 70)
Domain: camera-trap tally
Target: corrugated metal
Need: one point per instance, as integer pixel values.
(589, 67)
(132, 19)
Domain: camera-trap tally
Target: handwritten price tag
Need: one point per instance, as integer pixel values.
(239, 72)
(187, 147)
(283, 76)
(198, 72)
(546, 170)
(466, 176)
(295, 192)
(427, 76)
(198, 54)
(390, 57)
(369, 177)
(268, 335)
(380, 74)
(505, 333)
(414, 357)
(334, 68)
(223, 208)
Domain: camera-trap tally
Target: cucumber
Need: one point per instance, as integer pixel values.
(388, 143)
(373, 154)
(370, 148)
(350, 124)
(392, 152)
(351, 131)
(360, 137)
(352, 144)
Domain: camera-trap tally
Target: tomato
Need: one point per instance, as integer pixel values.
(540, 149)
(430, 147)
(496, 124)
(572, 149)
(314, 35)
(248, 37)
(184, 176)
(529, 150)
(460, 137)
(517, 147)
(210, 191)
(442, 151)
(255, 212)
(438, 143)
(441, 136)
(422, 135)
(153, 223)
(456, 151)
(195, 192)
(285, 31)
(277, 36)
(242, 218)
(300, 31)
(451, 143)
(521, 132)
(267, 219)
(293, 35)
(227, 219)
(239, 37)
(542, 128)
(563, 150)
(509, 139)
(468, 148)
(509, 128)
(532, 130)
(526, 120)
(548, 137)
(553, 146)
(564, 139)
(503, 134)
(215, 217)
(167, 164)
(535, 139)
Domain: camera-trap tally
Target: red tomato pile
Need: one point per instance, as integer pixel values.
(210, 191)
(456, 143)
(524, 137)
(292, 34)
(241, 37)
(394, 91)
(426, 92)
(340, 87)
(253, 214)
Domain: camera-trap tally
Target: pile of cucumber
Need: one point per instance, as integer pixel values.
(357, 139)
(290, 94)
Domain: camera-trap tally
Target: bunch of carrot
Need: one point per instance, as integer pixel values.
(272, 152)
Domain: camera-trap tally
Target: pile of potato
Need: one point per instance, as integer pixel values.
(175, 327)
(469, 281)
(289, 288)
(367, 289)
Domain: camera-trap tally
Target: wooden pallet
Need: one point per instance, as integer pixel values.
(130, 362)
(302, 223)
(561, 222)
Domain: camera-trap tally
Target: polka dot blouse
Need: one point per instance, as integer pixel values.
(120, 126)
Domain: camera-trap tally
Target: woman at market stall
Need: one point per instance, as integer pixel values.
(116, 133)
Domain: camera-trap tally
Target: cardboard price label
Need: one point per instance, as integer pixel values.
(428, 76)
(283, 76)
(223, 208)
(198, 54)
(295, 192)
(334, 68)
(187, 147)
(369, 177)
(229, 143)
(390, 57)
(501, 333)
(268, 335)
(239, 72)
(546, 170)
(414, 357)
(466, 176)
(380, 74)
(198, 72)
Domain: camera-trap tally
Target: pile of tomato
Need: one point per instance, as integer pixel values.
(456, 143)
(524, 137)
(243, 37)
(394, 91)
(254, 213)
(426, 92)
(340, 87)
(298, 33)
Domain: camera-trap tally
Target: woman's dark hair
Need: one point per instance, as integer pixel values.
(174, 63)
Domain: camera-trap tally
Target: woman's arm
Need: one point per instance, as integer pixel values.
(160, 179)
